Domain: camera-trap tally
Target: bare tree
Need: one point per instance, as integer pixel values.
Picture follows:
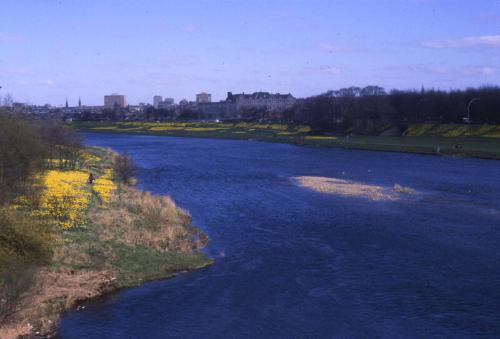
(21, 154)
(7, 100)
(124, 168)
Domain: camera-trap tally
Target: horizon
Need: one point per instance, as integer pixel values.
(179, 49)
(388, 91)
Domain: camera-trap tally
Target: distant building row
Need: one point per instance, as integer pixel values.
(114, 100)
(233, 105)
(237, 103)
(159, 102)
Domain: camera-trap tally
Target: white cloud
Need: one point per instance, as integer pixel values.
(149, 63)
(15, 70)
(191, 29)
(46, 82)
(486, 41)
(444, 71)
(488, 70)
(4, 37)
(28, 82)
(283, 14)
(434, 69)
(333, 48)
(489, 16)
(481, 71)
(330, 70)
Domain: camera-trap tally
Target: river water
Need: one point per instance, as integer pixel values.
(292, 262)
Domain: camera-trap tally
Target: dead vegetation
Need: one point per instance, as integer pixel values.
(140, 218)
(345, 187)
(401, 189)
(135, 237)
(53, 292)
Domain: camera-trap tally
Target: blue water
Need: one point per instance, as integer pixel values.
(294, 263)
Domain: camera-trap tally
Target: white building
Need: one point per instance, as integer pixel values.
(265, 100)
(114, 100)
(203, 98)
(156, 101)
(166, 103)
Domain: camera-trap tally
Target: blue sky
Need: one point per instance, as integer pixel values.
(50, 50)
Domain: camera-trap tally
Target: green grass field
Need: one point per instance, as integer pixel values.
(482, 141)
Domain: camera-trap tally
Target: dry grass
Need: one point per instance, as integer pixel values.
(345, 187)
(53, 292)
(137, 236)
(401, 189)
(12, 331)
(148, 220)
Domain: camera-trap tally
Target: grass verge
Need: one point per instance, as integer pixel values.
(52, 261)
(452, 140)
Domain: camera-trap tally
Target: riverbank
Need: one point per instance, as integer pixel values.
(101, 237)
(318, 258)
(481, 141)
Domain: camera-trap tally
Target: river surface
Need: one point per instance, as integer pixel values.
(292, 262)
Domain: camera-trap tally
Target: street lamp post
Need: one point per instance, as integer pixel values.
(468, 107)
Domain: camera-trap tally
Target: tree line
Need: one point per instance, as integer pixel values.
(370, 107)
(355, 108)
(28, 146)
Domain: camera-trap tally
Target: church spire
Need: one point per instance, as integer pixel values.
(66, 102)
(79, 102)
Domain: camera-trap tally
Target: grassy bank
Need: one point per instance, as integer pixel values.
(482, 141)
(75, 241)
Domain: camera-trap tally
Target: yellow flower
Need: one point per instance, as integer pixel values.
(320, 137)
(104, 185)
(304, 129)
(90, 157)
(65, 197)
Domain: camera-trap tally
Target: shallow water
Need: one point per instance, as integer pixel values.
(292, 262)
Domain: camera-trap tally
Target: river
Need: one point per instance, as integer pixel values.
(294, 262)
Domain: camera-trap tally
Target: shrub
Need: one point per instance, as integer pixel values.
(25, 146)
(12, 285)
(21, 155)
(24, 237)
(124, 169)
(62, 143)
(24, 243)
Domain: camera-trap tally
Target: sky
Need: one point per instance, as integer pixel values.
(53, 50)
